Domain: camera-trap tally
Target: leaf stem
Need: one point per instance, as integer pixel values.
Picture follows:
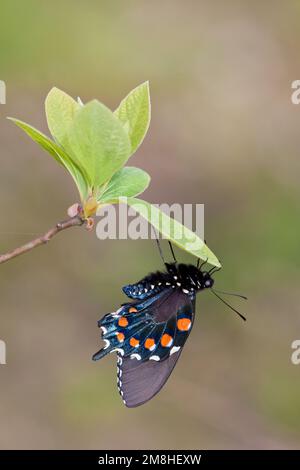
(44, 239)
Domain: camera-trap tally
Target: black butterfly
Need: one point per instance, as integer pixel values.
(149, 333)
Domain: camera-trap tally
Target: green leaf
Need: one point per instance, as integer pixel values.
(60, 112)
(57, 153)
(173, 230)
(129, 182)
(135, 113)
(98, 142)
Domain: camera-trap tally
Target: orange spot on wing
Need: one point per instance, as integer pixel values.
(149, 343)
(166, 340)
(120, 337)
(184, 324)
(123, 322)
(134, 342)
(132, 310)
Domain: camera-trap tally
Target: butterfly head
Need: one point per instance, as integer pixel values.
(206, 281)
(194, 278)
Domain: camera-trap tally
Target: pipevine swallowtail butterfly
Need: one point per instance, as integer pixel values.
(149, 333)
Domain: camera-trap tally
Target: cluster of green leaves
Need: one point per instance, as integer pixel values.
(94, 143)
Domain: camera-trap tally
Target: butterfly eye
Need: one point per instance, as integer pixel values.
(208, 283)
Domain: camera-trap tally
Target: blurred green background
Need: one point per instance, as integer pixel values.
(224, 133)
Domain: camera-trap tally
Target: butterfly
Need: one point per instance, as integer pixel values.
(149, 333)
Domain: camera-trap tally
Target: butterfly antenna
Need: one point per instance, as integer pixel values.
(230, 293)
(172, 251)
(228, 305)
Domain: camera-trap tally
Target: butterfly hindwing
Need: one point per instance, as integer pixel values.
(148, 337)
(139, 380)
(166, 340)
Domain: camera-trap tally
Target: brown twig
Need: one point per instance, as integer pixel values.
(71, 222)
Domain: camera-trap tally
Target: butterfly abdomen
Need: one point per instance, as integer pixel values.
(150, 285)
(186, 278)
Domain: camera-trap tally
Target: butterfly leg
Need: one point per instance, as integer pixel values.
(172, 251)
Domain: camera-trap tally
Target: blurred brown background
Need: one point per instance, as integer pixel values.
(225, 133)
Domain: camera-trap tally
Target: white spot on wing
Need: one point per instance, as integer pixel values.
(119, 350)
(174, 350)
(116, 314)
(154, 358)
(135, 356)
(107, 343)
